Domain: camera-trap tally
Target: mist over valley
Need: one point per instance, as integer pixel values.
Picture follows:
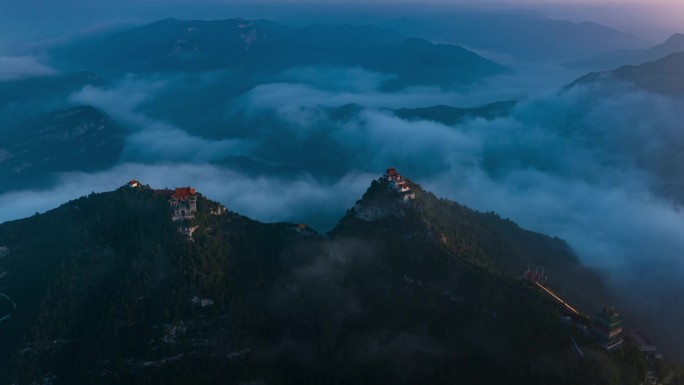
(568, 128)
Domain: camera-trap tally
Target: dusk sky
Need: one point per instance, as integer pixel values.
(651, 20)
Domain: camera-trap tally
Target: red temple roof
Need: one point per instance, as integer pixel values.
(183, 193)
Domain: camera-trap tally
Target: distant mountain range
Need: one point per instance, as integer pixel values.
(264, 47)
(520, 34)
(673, 44)
(665, 76)
(408, 288)
(450, 115)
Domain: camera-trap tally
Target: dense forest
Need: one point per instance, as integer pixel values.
(108, 291)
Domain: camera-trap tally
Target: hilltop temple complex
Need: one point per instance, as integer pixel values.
(183, 204)
(399, 184)
(374, 209)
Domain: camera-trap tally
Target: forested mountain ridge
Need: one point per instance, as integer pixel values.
(407, 288)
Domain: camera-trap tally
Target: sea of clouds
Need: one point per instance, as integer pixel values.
(596, 165)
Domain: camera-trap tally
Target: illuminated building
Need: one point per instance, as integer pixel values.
(607, 328)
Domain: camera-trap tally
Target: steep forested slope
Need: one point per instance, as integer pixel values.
(401, 291)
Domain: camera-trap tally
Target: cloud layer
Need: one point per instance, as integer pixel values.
(19, 67)
(597, 166)
(300, 199)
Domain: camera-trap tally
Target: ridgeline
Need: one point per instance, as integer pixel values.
(408, 288)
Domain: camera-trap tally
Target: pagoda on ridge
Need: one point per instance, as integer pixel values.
(607, 328)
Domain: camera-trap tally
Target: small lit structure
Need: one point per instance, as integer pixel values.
(607, 328)
(305, 229)
(218, 210)
(187, 231)
(535, 274)
(133, 183)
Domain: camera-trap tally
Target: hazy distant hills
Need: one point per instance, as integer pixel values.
(43, 132)
(524, 35)
(266, 47)
(453, 115)
(400, 291)
(332, 36)
(23, 98)
(673, 44)
(665, 76)
(76, 139)
(444, 114)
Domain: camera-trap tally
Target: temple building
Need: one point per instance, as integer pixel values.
(535, 274)
(398, 183)
(392, 175)
(607, 328)
(183, 203)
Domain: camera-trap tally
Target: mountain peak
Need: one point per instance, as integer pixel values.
(389, 196)
(398, 183)
(662, 76)
(676, 39)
